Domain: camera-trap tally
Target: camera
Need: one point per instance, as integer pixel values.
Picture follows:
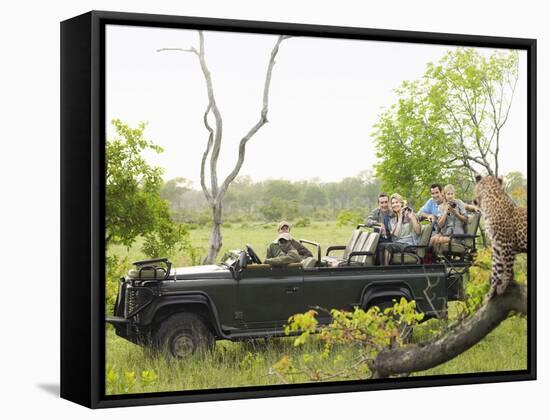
(453, 205)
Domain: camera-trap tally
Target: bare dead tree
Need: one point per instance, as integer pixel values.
(215, 192)
(457, 340)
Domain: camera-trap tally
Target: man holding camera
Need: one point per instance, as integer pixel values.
(453, 217)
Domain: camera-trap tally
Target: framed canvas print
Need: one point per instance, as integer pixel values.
(255, 209)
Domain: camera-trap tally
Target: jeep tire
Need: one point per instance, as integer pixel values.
(182, 335)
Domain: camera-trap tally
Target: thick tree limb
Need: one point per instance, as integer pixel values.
(217, 118)
(459, 339)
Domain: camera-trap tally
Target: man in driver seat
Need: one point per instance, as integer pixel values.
(273, 249)
(282, 252)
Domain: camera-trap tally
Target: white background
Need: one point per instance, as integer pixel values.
(29, 97)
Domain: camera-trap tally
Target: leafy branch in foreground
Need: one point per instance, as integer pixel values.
(378, 339)
(368, 332)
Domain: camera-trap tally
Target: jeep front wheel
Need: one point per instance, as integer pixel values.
(182, 335)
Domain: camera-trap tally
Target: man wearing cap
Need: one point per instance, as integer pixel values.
(274, 248)
(286, 253)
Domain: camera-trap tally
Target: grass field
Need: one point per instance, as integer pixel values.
(257, 235)
(133, 369)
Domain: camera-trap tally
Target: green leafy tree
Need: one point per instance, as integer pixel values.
(133, 206)
(447, 124)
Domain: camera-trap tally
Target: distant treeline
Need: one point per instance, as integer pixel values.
(275, 199)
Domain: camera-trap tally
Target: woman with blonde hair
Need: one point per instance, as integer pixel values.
(405, 229)
(453, 217)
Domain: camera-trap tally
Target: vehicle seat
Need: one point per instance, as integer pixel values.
(359, 245)
(459, 247)
(350, 246)
(369, 245)
(147, 273)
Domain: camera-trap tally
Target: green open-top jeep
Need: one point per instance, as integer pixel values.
(181, 310)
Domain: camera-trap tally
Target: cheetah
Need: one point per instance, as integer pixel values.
(506, 224)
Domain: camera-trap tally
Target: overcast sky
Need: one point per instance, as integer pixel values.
(325, 96)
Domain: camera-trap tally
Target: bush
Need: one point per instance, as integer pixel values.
(303, 222)
(348, 217)
(204, 218)
(115, 267)
(322, 214)
(235, 219)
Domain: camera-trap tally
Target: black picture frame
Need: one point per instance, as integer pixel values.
(82, 205)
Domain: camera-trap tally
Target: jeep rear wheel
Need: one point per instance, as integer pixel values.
(182, 335)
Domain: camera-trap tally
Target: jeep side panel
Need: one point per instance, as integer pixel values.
(345, 287)
(268, 296)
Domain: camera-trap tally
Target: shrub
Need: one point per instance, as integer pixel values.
(348, 217)
(303, 222)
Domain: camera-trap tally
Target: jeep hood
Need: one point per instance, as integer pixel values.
(200, 272)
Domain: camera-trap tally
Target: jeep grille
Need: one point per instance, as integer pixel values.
(137, 299)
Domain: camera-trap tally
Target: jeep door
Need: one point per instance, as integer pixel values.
(267, 295)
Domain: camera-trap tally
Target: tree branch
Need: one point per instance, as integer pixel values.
(214, 136)
(205, 155)
(258, 125)
(191, 50)
(459, 339)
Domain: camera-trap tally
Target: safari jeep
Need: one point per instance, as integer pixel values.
(182, 310)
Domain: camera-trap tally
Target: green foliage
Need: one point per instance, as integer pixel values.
(446, 123)
(115, 267)
(302, 222)
(279, 208)
(370, 331)
(274, 199)
(133, 206)
(515, 184)
(348, 217)
(132, 186)
(126, 382)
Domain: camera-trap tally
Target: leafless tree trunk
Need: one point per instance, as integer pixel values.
(459, 338)
(214, 195)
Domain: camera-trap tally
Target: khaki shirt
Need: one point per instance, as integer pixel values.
(284, 258)
(274, 249)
